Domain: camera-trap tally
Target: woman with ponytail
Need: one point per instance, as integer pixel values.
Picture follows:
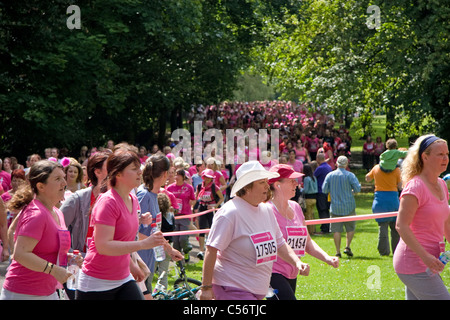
(41, 238)
(184, 192)
(106, 270)
(154, 176)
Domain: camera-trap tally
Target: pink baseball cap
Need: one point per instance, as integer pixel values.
(285, 171)
(209, 173)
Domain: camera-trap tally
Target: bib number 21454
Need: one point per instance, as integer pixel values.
(296, 239)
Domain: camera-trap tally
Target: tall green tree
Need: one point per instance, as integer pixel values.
(131, 68)
(328, 53)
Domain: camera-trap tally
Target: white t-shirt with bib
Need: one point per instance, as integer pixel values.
(247, 239)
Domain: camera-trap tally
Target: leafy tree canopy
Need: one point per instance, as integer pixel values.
(329, 52)
(132, 67)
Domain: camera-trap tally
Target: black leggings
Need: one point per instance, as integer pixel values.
(205, 222)
(285, 287)
(127, 291)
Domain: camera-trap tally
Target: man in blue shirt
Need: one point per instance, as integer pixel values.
(341, 184)
(322, 204)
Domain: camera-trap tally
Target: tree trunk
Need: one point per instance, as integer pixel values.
(162, 129)
(390, 116)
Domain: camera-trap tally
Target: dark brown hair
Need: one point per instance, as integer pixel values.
(155, 166)
(181, 172)
(39, 172)
(96, 161)
(243, 191)
(118, 161)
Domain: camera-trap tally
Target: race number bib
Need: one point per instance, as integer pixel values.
(296, 239)
(180, 205)
(158, 220)
(64, 247)
(265, 247)
(206, 197)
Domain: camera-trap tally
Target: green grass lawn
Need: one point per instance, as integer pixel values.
(355, 279)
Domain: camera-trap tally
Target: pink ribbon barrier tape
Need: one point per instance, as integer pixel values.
(186, 232)
(352, 218)
(185, 216)
(308, 222)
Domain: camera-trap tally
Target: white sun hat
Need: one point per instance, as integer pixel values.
(248, 172)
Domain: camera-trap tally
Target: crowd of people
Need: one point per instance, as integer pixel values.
(304, 128)
(105, 202)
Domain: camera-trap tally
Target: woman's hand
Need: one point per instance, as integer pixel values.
(146, 218)
(175, 254)
(60, 273)
(79, 260)
(333, 261)
(435, 265)
(5, 252)
(303, 268)
(206, 294)
(154, 240)
(136, 272)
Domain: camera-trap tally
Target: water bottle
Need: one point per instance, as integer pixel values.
(160, 254)
(271, 292)
(444, 258)
(72, 267)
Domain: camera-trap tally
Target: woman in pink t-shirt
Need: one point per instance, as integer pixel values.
(291, 221)
(206, 198)
(219, 179)
(41, 238)
(244, 241)
(297, 165)
(301, 153)
(378, 149)
(312, 145)
(184, 192)
(368, 153)
(106, 269)
(423, 220)
(17, 180)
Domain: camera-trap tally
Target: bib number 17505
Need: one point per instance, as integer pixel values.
(265, 247)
